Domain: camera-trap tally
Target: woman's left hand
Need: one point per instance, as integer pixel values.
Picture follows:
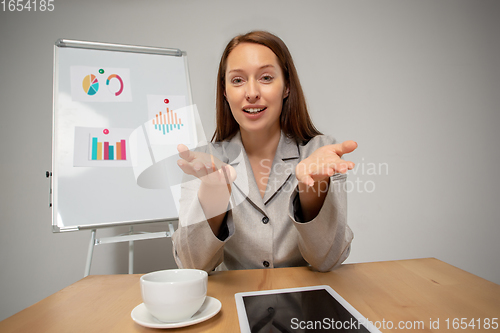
(324, 162)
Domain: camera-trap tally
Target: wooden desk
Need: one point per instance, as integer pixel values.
(406, 290)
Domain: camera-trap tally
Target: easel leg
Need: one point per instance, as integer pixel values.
(131, 253)
(130, 238)
(90, 253)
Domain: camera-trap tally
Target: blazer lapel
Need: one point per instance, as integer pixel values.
(283, 168)
(245, 181)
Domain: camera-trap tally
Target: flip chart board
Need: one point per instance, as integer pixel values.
(119, 113)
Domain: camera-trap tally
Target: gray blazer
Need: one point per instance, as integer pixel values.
(264, 232)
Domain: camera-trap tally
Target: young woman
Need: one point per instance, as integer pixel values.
(269, 192)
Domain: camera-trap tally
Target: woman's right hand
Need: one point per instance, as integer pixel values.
(210, 170)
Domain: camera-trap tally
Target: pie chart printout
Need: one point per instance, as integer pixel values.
(90, 84)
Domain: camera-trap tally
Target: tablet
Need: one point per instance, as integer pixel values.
(306, 309)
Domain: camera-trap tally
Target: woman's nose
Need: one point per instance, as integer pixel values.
(252, 92)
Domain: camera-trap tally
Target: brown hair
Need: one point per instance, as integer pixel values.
(294, 120)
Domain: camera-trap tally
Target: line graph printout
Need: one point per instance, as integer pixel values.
(152, 152)
(167, 121)
(171, 121)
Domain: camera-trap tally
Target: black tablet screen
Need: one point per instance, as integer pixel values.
(303, 311)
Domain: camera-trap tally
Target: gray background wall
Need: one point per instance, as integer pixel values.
(415, 83)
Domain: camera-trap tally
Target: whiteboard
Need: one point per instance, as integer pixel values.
(109, 103)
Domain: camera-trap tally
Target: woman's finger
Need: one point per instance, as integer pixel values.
(328, 168)
(185, 153)
(348, 146)
(186, 167)
(342, 148)
(307, 179)
(338, 164)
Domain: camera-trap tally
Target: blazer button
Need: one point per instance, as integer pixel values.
(266, 263)
(265, 220)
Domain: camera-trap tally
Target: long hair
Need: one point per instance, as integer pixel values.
(294, 120)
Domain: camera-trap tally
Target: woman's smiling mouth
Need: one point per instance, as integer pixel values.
(254, 110)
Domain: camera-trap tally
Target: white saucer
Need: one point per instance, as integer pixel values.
(210, 308)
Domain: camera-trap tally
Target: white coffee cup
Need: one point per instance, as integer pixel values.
(175, 294)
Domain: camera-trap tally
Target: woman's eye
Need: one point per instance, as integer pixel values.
(237, 80)
(267, 78)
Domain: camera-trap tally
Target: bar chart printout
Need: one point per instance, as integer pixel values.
(116, 151)
(167, 122)
(102, 147)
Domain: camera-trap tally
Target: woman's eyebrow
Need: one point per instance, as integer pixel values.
(265, 66)
(241, 70)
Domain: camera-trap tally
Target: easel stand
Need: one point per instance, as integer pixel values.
(129, 237)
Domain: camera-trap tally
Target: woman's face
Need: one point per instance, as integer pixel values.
(255, 88)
